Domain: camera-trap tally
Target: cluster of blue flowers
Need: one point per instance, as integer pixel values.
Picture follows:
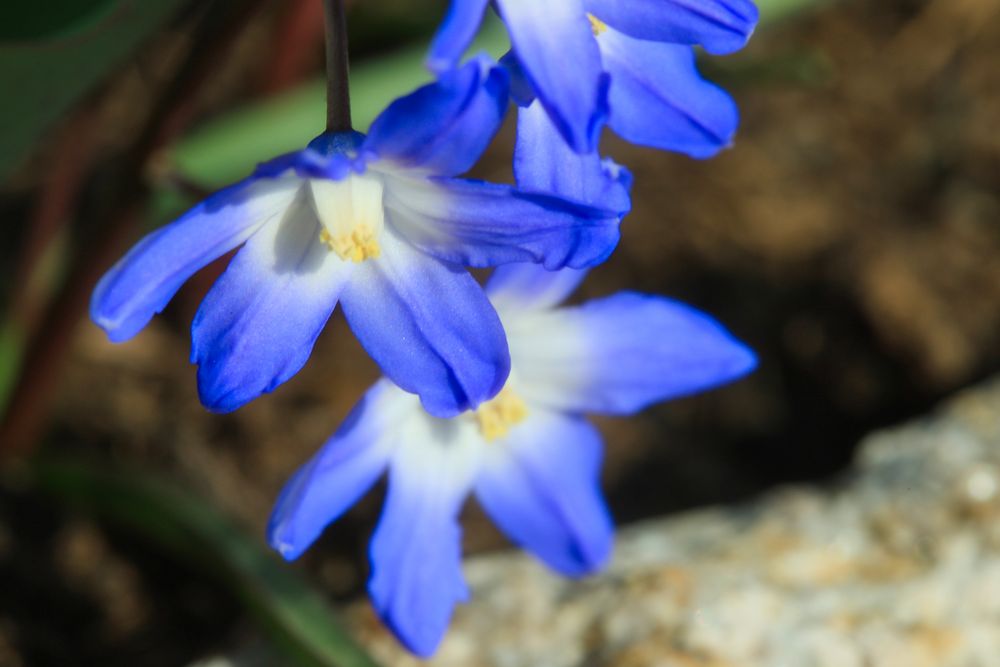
(484, 388)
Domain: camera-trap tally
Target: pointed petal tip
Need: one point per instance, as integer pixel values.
(118, 326)
(280, 535)
(422, 644)
(452, 405)
(587, 563)
(216, 397)
(590, 564)
(285, 531)
(745, 360)
(115, 332)
(286, 550)
(734, 360)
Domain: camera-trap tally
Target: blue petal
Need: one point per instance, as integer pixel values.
(544, 162)
(258, 323)
(619, 354)
(522, 286)
(416, 549)
(721, 26)
(444, 127)
(541, 486)
(549, 39)
(484, 224)
(659, 99)
(429, 326)
(143, 282)
(331, 155)
(455, 34)
(340, 473)
(521, 91)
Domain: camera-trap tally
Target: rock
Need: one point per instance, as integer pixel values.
(895, 565)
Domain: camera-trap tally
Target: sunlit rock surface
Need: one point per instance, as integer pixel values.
(895, 565)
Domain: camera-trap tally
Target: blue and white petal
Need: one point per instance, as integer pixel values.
(429, 326)
(342, 471)
(523, 287)
(485, 224)
(416, 549)
(619, 354)
(143, 282)
(443, 127)
(455, 34)
(540, 485)
(720, 26)
(257, 325)
(554, 44)
(329, 156)
(658, 99)
(544, 162)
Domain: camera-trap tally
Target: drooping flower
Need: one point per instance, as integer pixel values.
(528, 455)
(380, 224)
(627, 63)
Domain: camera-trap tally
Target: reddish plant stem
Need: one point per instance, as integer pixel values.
(53, 211)
(42, 366)
(24, 418)
(297, 39)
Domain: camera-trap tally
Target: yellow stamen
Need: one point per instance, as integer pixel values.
(498, 416)
(597, 25)
(350, 214)
(357, 246)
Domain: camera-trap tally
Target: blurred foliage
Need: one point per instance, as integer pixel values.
(35, 20)
(10, 360)
(375, 23)
(188, 527)
(62, 50)
(225, 150)
(772, 10)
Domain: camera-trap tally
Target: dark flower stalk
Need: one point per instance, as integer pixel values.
(338, 96)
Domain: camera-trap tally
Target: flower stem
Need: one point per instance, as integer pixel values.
(338, 97)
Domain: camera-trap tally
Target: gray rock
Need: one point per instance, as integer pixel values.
(896, 565)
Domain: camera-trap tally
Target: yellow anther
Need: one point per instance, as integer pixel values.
(498, 416)
(357, 246)
(597, 25)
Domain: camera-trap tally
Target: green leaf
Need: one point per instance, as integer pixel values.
(11, 344)
(43, 79)
(298, 619)
(773, 10)
(226, 149)
(34, 20)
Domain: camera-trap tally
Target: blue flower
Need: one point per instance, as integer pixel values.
(627, 63)
(528, 456)
(378, 223)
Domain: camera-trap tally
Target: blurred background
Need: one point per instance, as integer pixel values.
(850, 236)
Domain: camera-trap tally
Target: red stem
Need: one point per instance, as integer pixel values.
(297, 39)
(52, 213)
(40, 373)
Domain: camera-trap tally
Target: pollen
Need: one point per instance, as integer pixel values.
(357, 246)
(351, 216)
(498, 416)
(597, 25)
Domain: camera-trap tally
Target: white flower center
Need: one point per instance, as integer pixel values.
(351, 215)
